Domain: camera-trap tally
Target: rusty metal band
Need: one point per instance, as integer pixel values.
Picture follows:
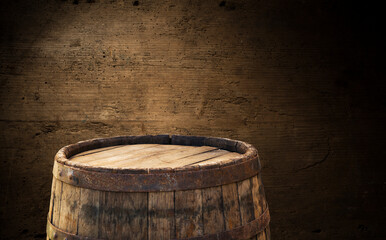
(154, 182)
(246, 231)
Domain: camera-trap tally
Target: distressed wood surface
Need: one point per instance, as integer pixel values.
(231, 206)
(161, 215)
(90, 212)
(152, 156)
(213, 216)
(57, 195)
(69, 208)
(135, 223)
(219, 159)
(116, 153)
(123, 216)
(188, 161)
(188, 213)
(244, 189)
(259, 203)
(52, 199)
(157, 215)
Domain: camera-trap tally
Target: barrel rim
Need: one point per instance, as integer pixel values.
(247, 151)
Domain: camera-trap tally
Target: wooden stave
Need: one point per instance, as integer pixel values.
(72, 233)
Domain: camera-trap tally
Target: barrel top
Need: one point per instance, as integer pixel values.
(155, 163)
(154, 153)
(140, 156)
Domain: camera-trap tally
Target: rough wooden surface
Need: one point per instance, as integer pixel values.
(188, 213)
(69, 208)
(90, 212)
(231, 205)
(161, 215)
(156, 215)
(245, 199)
(152, 156)
(300, 80)
(212, 216)
(259, 203)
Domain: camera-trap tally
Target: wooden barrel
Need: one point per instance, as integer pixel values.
(157, 187)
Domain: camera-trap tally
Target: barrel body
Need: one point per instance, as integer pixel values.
(233, 210)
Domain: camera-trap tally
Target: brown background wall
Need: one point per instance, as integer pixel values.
(300, 80)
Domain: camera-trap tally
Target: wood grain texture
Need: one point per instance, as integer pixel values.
(110, 215)
(161, 215)
(52, 199)
(90, 213)
(134, 223)
(231, 206)
(260, 204)
(187, 161)
(69, 208)
(244, 189)
(188, 213)
(57, 203)
(113, 153)
(213, 216)
(97, 150)
(152, 156)
(162, 160)
(123, 215)
(219, 159)
(137, 158)
(259, 201)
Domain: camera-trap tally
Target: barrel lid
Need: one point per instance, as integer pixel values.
(159, 152)
(144, 156)
(155, 163)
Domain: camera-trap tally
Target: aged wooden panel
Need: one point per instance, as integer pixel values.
(93, 156)
(152, 155)
(116, 154)
(246, 202)
(50, 210)
(123, 215)
(93, 151)
(231, 206)
(133, 161)
(161, 215)
(259, 203)
(109, 214)
(161, 160)
(188, 213)
(89, 216)
(56, 203)
(221, 158)
(136, 216)
(69, 208)
(258, 195)
(187, 161)
(213, 216)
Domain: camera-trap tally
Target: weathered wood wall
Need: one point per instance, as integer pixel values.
(300, 80)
